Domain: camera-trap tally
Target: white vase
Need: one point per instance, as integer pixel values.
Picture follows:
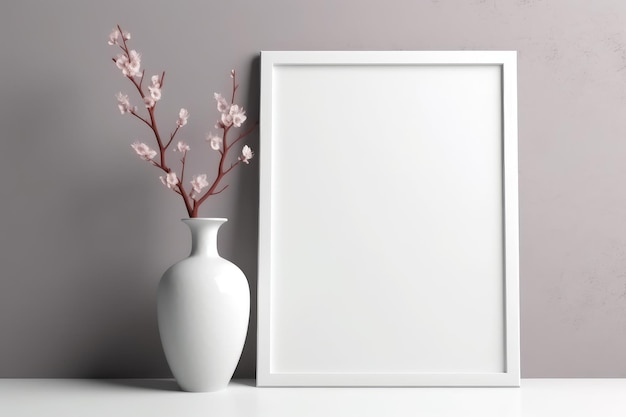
(203, 312)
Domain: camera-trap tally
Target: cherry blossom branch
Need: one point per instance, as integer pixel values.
(134, 113)
(223, 188)
(235, 86)
(244, 134)
(171, 137)
(232, 116)
(183, 193)
(182, 170)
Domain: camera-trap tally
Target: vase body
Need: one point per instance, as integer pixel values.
(203, 307)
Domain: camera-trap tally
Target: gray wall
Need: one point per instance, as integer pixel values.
(86, 229)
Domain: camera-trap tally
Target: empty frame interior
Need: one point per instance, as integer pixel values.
(384, 220)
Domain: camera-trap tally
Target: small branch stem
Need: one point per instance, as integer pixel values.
(243, 134)
(223, 188)
(172, 137)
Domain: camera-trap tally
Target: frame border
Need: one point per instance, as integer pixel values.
(507, 60)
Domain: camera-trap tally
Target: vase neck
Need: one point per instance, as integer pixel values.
(204, 235)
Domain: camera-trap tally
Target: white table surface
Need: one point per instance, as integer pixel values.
(158, 397)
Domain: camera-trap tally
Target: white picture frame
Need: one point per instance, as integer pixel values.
(388, 225)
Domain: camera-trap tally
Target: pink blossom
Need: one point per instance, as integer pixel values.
(155, 81)
(183, 115)
(182, 147)
(170, 180)
(114, 36)
(232, 73)
(198, 183)
(129, 64)
(214, 141)
(222, 104)
(155, 93)
(155, 89)
(121, 60)
(135, 63)
(237, 114)
(227, 119)
(124, 104)
(246, 154)
(144, 151)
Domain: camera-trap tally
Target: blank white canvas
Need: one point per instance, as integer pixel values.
(386, 223)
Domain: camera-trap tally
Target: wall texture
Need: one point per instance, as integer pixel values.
(86, 229)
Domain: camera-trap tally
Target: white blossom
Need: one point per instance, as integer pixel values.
(121, 60)
(124, 104)
(222, 104)
(129, 64)
(182, 147)
(246, 154)
(155, 81)
(170, 180)
(198, 183)
(155, 93)
(144, 151)
(155, 90)
(149, 102)
(135, 63)
(183, 115)
(227, 119)
(114, 36)
(237, 114)
(214, 141)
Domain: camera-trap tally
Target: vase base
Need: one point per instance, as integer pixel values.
(216, 388)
